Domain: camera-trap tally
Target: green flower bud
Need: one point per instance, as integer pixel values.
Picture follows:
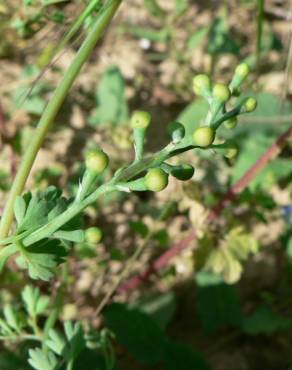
(204, 136)
(140, 119)
(177, 131)
(184, 172)
(231, 123)
(242, 70)
(250, 105)
(93, 235)
(221, 92)
(96, 161)
(201, 83)
(231, 152)
(156, 179)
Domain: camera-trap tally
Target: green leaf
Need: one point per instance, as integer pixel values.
(197, 37)
(256, 134)
(153, 7)
(41, 258)
(182, 357)
(265, 321)
(220, 41)
(139, 228)
(5, 253)
(218, 306)
(35, 303)
(41, 360)
(161, 307)
(56, 342)
(70, 346)
(76, 236)
(12, 318)
(110, 98)
(19, 209)
(137, 332)
(149, 33)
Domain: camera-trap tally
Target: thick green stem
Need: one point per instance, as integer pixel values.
(53, 108)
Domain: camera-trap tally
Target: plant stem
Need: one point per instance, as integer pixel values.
(53, 108)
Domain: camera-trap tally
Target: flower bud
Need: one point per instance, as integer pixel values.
(221, 92)
(96, 161)
(140, 119)
(231, 123)
(250, 105)
(156, 179)
(183, 172)
(201, 83)
(93, 235)
(242, 70)
(203, 136)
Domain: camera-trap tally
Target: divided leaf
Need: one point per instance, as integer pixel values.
(41, 360)
(41, 258)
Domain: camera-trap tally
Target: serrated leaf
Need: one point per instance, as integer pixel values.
(12, 318)
(5, 329)
(56, 342)
(35, 303)
(41, 360)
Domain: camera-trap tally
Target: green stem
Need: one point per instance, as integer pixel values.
(52, 109)
(126, 174)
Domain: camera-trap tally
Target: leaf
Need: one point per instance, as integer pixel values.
(41, 360)
(12, 318)
(218, 306)
(70, 345)
(265, 321)
(197, 37)
(139, 227)
(149, 33)
(76, 236)
(40, 208)
(35, 303)
(182, 357)
(161, 307)
(153, 7)
(110, 99)
(137, 332)
(56, 342)
(220, 41)
(226, 260)
(41, 258)
(256, 134)
(5, 253)
(19, 209)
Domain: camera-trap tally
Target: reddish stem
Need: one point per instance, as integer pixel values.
(240, 185)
